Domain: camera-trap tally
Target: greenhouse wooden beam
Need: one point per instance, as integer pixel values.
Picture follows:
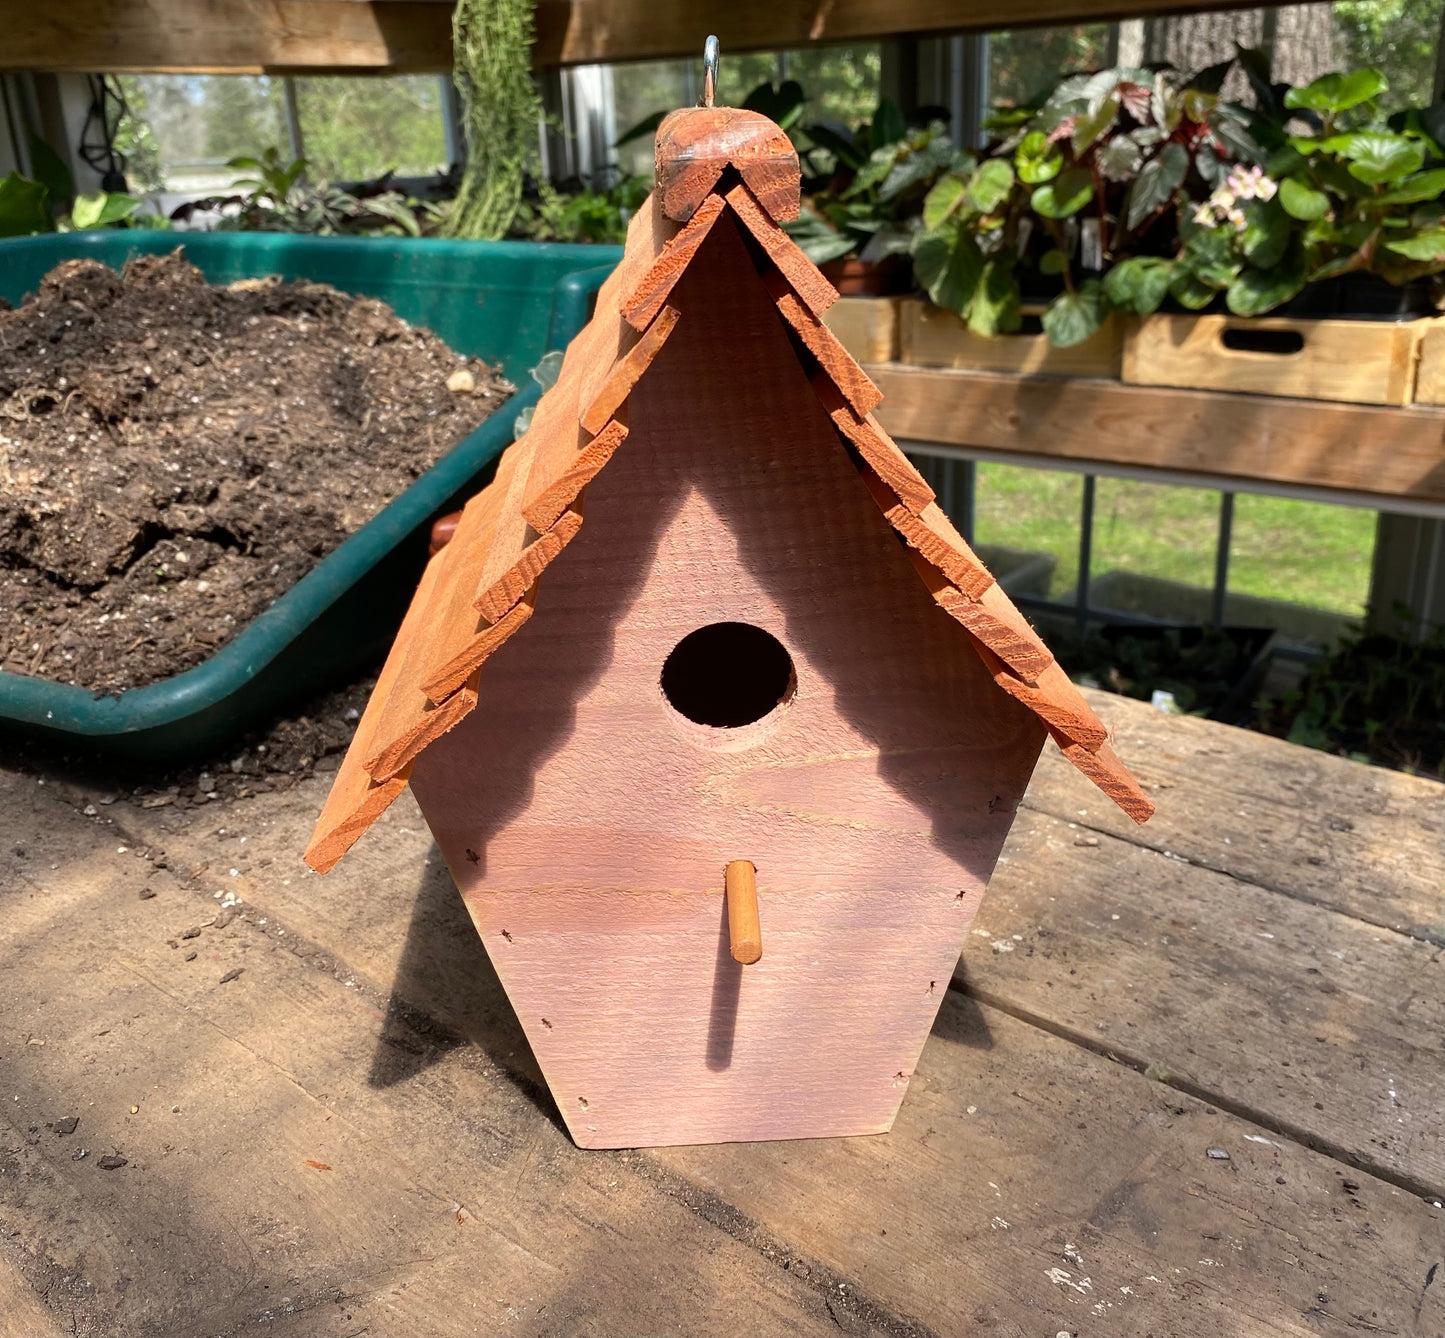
(225, 36)
(1359, 448)
(394, 36)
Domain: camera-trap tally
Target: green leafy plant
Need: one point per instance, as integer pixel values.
(275, 195)
(1130, 188)
(29, 206)
(492, 55)
(1083, 179)
(1321, 188)
(1377, 697)
(583, 216)
(868, 197)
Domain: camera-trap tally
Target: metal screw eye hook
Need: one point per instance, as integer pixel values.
(709, 71)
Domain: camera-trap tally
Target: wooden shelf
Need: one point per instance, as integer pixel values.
(393, 36)
(1357, 448)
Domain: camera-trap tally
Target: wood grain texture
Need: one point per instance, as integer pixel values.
(355, 805)
(647, 298)
(866, 326)
(1380, 451)
(627, 371)
(1066, 1148)
(495, 600)
(809, 284)
(237, 37)
(1363, 841)
(422, 729)
(872, 803)
(453, 673)
(1363, 362)
(414, 36)
(929, 336)
(585, 31)
(696, 145)
(1052, 697)
(453, 1205)
(1021, 650)
(1030, 1186)
(488, 545)
(547, 511)
(852, 381)
(895, 469)
(1430, 371)
(1325, 1025)
(745, 933)
(356, 800)
(1101, 765)
(609, 335)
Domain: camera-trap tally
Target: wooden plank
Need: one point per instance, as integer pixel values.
(357, 799)
(866, 326)
(424, 727)
(280, 1174)
(1361, 362)
(1387, 452)
(1430, 374)
(1360, 840)
(1318, 1024)
(818, 338)
(395, 36)
(1030, 1186)
(233, 37)
(804, 276)
(929, 336)
(895, 471)
(1015, 1153)
(22, 1314)
(579, 31)
(495, 600)
(652, 289)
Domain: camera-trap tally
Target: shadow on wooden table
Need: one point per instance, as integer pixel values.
(963, 1022)
(446, 995)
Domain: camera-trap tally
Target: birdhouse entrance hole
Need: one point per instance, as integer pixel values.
(727, 675)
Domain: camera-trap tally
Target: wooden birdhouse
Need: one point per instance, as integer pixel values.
(717, 721)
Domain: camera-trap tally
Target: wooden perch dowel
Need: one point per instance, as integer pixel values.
(744, 932)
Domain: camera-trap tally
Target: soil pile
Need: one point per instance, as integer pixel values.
(174, 456)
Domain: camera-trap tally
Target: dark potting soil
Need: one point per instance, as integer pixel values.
(175, 455)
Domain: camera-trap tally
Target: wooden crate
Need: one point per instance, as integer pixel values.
(932, 337)
(1430, 375)
(1359, 362)
(866, 326)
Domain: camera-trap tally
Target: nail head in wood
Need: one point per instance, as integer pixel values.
(745, 933)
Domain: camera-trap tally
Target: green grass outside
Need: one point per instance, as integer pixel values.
(1305, 552)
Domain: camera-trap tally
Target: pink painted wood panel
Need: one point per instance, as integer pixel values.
(586, 819)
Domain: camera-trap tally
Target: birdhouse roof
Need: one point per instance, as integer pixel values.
(480, 589)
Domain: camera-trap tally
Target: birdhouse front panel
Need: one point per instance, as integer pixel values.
(733, 660)
(717, 720)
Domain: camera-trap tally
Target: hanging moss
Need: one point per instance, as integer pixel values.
(492, 55)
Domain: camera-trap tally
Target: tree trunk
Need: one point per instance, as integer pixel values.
(1300, 39)
(1304, 43)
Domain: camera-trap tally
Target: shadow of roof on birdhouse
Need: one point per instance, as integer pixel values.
(479, 590)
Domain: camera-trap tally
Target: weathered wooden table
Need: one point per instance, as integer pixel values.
(1187, 1079)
